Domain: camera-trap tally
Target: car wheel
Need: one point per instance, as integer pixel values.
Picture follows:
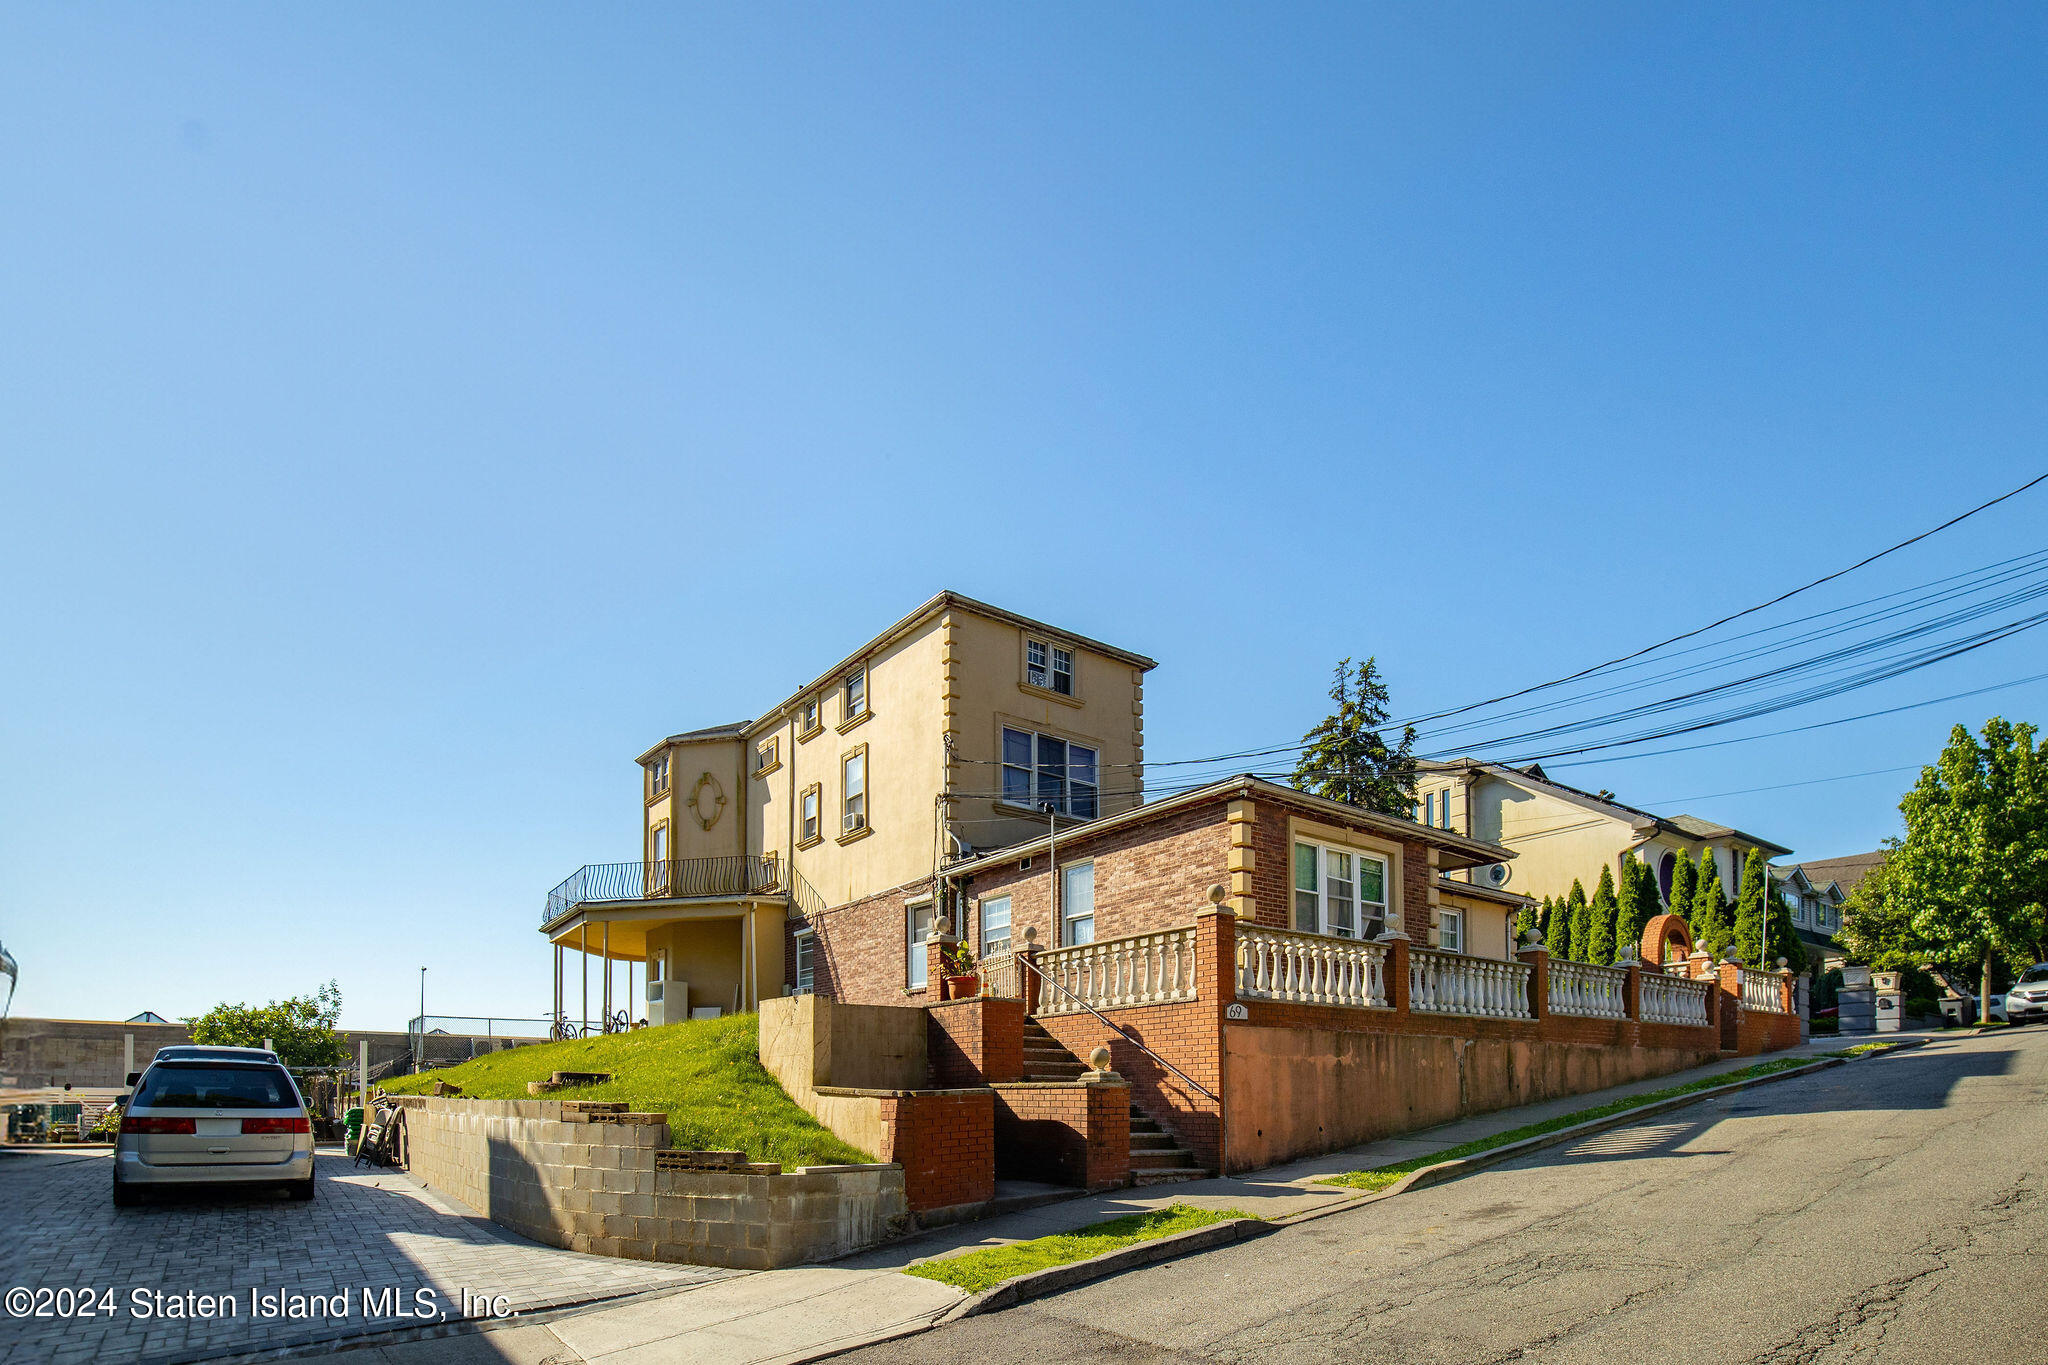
(124, 1197)
(303, 1189)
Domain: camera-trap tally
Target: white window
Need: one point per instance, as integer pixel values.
(657, 876)
(809, 817)
(1042, 769)
(807, 717)
(854, 790)
(995, 925)
(1450, 930)
(1049, 666)
(657, 776)
(917, 922)
(855, 694)
(806, 969)
(1077, 903)
(765, 755)
(660, 845)
(1339, 891)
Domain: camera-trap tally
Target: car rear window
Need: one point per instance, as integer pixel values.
(181, 1085)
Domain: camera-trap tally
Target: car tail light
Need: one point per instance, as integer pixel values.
(135, 1125)
(294, 1125)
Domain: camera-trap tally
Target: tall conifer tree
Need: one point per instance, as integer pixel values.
(1683, 881)
(1600, 920)
(1630, 913)
(1711, 928)
(1581, 915)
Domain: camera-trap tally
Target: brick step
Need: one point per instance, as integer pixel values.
(1175, 1159)
(1168, 1177)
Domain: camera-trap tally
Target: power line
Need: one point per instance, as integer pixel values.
(1787, 786)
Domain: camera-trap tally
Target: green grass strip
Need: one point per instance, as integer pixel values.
(1379, 1177)
(989, 1267)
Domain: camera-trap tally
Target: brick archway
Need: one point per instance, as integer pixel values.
(1667, 938)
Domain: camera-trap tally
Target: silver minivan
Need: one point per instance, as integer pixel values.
(214, 1116)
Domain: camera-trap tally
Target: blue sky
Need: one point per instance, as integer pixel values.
(412, 413)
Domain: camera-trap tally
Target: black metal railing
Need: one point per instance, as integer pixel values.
(675, 879)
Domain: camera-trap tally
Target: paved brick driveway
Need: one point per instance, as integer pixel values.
(363, 1232)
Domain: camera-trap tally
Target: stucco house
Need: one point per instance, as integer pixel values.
(1814, 892)
(1560, 833)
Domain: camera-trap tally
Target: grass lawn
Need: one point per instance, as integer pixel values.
(989, 1267)
(706, 1075)
(1379, 1177)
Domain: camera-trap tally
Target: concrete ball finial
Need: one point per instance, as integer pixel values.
(1098, 1060)
(1783, 963)
(1031, 933)
(1218, 893)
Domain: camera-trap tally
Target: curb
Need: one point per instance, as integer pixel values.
(1445, 1171)
(1052, 1279)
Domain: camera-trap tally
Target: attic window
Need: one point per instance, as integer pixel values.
(1049, 666)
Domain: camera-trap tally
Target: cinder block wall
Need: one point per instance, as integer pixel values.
(595, 1187)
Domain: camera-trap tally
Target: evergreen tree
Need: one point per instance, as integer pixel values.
(1551, 928)
(1683, 883)
(1784, 941)
(1711, 929)
(1631, 913)
(1346, 758)
(1752, 912)
(1581, 915)
(1561, 928)
(1525, 923)
(1600, 920)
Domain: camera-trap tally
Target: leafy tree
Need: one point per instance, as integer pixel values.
(1600, 920)
(302, 1029)
(1877, 928)
(1346, 758)
(1684, 882)
(1708, 919)
(1580, 915)
(1635, 900)
(1972, 871)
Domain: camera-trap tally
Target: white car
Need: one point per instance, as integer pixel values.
(2028, 998)
(214, 1116)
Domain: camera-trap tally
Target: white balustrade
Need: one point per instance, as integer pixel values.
(1674, 999)
(1116, 973)
(1588, 991)
(1452, 983)
(1310, 969)
(1762, 991)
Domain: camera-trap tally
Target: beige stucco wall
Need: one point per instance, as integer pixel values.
(808, 1042)
(1488, 927)
(689, 765)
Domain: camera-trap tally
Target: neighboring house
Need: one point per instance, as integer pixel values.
(1560, 833)
(953, 730)
(1814, 892)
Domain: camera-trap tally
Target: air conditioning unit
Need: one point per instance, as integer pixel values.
(854, 820)
(1495, 874)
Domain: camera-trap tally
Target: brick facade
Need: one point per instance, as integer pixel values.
(975, 1042)
(1077, 1135)
(860, 952)
(945, 1140)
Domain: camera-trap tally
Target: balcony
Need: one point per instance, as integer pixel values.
(676, 879)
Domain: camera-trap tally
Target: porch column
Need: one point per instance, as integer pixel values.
(606, 988)
(583, 956)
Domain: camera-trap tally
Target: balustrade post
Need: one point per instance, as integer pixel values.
(1027, 981)
(1786, 999)
(1632, 992)
(1727, 979)
(938, 954)
(1397, 969)
(1216, 951)
(1538, 958)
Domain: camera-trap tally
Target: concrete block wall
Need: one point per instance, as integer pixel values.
(596, 1187)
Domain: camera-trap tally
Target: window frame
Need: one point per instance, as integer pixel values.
(848, 715)
(1450, 923)
(1321, 891)
(768, 755)
(916, 959)
(1035, 774)
(846, 811)
(1050, 652)
(810, 717)
(806, 961)
(810, 827)
(658, 778)
(1067, 915)
(981, 906)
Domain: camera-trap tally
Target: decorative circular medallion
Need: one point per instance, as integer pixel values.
(707, 799)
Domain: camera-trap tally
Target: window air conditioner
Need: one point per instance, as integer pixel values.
(855, 820)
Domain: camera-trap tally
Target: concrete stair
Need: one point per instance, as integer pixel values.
(1157, 1157)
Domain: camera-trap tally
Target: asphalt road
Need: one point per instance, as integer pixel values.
(1889, 1210)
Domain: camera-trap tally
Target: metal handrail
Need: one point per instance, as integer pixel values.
(1122, 1032)
(670, 879)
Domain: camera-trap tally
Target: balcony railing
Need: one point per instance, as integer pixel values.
(1116, 973)
(675, 879)
(1309, 969)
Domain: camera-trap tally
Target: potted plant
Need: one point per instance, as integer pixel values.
(962, 980)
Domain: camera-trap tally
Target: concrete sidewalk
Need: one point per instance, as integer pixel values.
(779, 1317)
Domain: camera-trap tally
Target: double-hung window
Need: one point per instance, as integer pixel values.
(806, 962)
(1041, 769)
(657, 854)
(854, 695)
(807, 718)
(807, 818)
(1450, 930)
(1339, 891)
(657, 777)
(995, 925)
(1049, 666)
(917, 927)
(853, 813)
(1077, 904)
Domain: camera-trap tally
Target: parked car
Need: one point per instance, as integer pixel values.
(2028, 998)
(214, 1117)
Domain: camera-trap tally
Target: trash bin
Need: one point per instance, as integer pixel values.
(352, 1124)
